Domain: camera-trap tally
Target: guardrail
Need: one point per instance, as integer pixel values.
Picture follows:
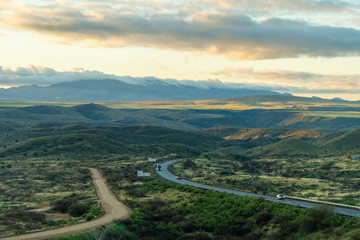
(318, 202)
(324, 202)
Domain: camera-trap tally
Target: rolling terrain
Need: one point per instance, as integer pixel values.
(262, 144)
(259, 112)
(74, 139)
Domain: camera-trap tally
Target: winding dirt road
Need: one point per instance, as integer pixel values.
(113, 208)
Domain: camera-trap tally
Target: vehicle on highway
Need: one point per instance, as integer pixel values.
(281, 196)
(178, 178)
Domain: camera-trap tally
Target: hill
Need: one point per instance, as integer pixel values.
(285, 148)
(74, 144)
(49, 139)
(80, 140)
(343, 143)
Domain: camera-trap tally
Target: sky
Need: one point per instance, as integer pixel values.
(305, 47)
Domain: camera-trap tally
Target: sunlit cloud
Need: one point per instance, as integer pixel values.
(287, 6)
(30, 74)
(158, 24)
(297, 81)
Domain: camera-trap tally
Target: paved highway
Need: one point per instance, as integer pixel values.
(167, 175)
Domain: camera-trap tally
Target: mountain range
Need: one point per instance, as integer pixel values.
(109, 90)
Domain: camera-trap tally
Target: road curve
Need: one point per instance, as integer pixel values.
(112, 207)
(167, 175)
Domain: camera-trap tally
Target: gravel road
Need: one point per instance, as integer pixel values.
(113, 208)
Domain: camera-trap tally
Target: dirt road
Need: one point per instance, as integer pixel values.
(113, 208)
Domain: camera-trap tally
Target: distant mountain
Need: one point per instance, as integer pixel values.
(338, 99)
(114, 90)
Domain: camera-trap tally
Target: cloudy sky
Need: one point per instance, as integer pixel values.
(306, 47)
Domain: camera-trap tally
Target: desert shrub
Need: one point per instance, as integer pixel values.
(95, 212)
(189, 163)
(77, 210)
(63, 205)
(24, 216)
(318, 218)
(263, 217)
(354, 235)
(325, 167)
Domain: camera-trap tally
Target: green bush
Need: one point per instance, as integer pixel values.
(63, 205)
(77, 210)
(95, 212)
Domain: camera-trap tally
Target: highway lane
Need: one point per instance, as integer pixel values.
(167, 175)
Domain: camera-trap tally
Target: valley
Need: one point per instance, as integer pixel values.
(45, 151)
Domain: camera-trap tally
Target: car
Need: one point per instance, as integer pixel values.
(178, 178)
(281, 196)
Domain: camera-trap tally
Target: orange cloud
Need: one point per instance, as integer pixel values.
(296, 81)
(157, 25)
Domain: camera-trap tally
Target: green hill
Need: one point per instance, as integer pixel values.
(83, 144)
(80, 140)
(77, 139)
(285, 148)
(345, 142)
(133, 135)
(157, 135)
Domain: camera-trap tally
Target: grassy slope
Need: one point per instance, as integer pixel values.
(80, 140)
(232, 133)
(285, 148)
(346, 142)
(85, 144)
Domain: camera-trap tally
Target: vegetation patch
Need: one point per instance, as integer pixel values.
(329, 178)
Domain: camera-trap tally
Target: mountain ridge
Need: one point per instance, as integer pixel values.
(110, 90)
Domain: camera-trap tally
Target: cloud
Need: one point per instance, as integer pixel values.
(30, 74)
(317, 6)
(304, 82)
(237, 36)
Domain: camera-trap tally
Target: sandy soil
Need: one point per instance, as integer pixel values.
(113, 208)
